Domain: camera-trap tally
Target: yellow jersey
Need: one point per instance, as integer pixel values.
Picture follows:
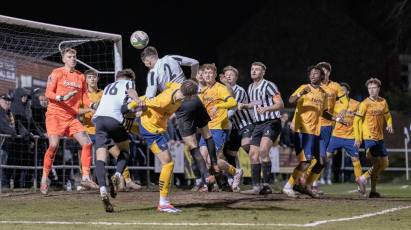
(373, 113)
(334, 93)
(159, 109)
(309, 109)
(347, 130)
(211, 96)
(88, 125)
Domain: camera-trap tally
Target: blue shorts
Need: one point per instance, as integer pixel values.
(376, 148)
(325, 136)
(337, 143)
(219, 137)
(92, 138)
(306, 146)
(156, 142)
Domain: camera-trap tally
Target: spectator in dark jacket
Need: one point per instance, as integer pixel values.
(6, 127)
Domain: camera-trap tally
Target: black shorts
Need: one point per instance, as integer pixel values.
(234, 140)
(269, 128)
(190, 116)
(108, 129)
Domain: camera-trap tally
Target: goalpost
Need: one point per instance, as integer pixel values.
(29, 51)
(24, 42)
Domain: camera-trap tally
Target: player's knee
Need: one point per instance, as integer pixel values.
(246, 147)
(53, 147)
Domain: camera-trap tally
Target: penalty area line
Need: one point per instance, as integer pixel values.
(308, 225)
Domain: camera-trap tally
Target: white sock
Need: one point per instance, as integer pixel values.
(103, 190)
(85, 178)
(117, 174)
(287, 186)
(198, 181)
(164, 201)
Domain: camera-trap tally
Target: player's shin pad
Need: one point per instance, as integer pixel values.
(101, 173)
(312, 163)
(122, 161)
(357, 168)
(86, 159)
(126, 175)
(315, 173)
(212, 150)
(165, 179)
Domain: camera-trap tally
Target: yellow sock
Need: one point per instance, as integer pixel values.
(291, 181)
(231, 170)
(372, 170)
(165, 179)
(357, 168)
(126, 175)
(308, 170)
(312, 177)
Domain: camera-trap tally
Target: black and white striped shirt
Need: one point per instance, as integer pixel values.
(261, 95)
(241, 118)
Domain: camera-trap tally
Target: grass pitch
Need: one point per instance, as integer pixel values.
(136, 210)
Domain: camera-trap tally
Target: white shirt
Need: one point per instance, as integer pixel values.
(114, 96)
(168, 69)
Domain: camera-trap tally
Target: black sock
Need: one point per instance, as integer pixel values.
(199, 161)
(211, 150)
(256, 174)
(101, 173)
(318, 167)
(266, 168)
(195, 169)
(121, 162)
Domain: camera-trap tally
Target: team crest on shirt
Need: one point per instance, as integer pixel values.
(72, 84)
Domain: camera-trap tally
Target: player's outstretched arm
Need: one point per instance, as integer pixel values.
(186, 61)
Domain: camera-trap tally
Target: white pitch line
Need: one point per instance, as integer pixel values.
(308, 225)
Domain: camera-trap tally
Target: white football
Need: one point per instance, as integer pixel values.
(139, 39)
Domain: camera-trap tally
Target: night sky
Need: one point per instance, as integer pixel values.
(195, 29)
(174, 27)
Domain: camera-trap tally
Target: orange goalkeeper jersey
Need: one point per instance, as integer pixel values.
(60, 83)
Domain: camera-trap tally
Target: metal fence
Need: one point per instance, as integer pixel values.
(34, 165)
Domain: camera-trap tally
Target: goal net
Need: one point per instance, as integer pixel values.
(28, 52)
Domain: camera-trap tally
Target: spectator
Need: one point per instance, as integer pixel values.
(39, 108)
(6, 127)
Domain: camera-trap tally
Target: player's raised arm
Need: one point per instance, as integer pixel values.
(186, 61)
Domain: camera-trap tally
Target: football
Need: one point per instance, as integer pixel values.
(139, 39)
